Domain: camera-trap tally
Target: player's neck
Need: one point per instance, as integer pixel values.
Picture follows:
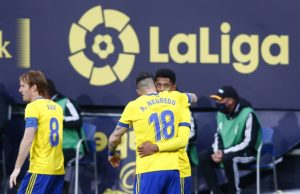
(150, 91)
(36, 96)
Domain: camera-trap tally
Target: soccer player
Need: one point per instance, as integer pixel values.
(42, 136)
(157, 118)
(165, 80)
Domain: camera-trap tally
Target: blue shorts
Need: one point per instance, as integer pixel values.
(186, 185)
(158, 182)
(41, 183)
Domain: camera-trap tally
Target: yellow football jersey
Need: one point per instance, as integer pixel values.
(184, 162)
(156, 118)
(46, 156)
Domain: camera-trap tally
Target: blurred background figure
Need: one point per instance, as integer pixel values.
(236, 141)
(3, 114)
(3, 125)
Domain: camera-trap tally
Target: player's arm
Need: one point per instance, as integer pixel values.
(23, 153)
(147, 148)
(25, 146)
(174, 144)
(192, 97)
(121, 128)
(115, 137)
(114, 141)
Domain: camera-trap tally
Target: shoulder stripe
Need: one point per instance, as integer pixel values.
(189, 98)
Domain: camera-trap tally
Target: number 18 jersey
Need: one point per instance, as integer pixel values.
(156, 118)
(46, 156)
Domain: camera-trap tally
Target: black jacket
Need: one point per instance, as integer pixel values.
(72, 116)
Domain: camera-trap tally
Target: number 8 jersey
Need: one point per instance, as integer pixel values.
(156, 118)
(46, 156)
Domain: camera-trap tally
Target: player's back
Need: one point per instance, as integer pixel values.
(46, 156)
(156, 119)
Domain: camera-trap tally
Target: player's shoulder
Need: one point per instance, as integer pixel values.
(141, 100)
(56, 105)
(33, 104)
(145, 98)
(132, 104)
(50, 104)
(174, 94)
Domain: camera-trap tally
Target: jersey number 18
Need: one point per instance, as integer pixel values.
(163, 124)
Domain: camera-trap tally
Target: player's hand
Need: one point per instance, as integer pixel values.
(114, 160)
(147, 148)
(217, 156)
(13, 177)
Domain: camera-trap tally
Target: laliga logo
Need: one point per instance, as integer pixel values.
(126, 176)
(102, 46)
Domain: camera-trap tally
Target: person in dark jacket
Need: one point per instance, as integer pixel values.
(236, 140)
(3, 114)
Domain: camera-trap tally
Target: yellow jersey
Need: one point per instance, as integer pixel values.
(156, 118)
(184, 164)
(46, 156)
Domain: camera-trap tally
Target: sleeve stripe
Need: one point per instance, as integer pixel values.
(189, 98)
(216, 143)
(123, 125)
(31, 122)
(184, 124)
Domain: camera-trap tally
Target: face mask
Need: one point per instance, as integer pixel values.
(222, 108)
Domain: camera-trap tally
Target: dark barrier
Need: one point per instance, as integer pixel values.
(287, 135)
(285, 124)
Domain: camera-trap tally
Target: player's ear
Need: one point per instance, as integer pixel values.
(174, 87)
(138, 92)
(34, 87)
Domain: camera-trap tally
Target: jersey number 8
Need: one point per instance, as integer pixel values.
(54, 136)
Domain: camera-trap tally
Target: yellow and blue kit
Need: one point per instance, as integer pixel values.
(156, 118)
(46, 169)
